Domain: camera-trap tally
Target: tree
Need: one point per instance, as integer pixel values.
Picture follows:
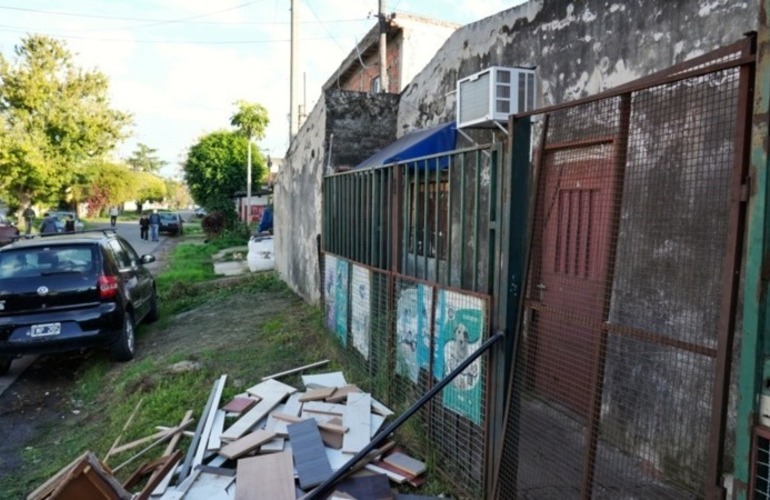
(250, 120)
(54, 119)
(148, 188)
(145, 159)
(215, 169)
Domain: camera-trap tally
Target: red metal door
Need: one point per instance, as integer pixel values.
(574, 219)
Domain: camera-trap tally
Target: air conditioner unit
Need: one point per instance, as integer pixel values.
(492, 95)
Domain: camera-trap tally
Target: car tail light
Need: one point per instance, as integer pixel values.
(108, 286)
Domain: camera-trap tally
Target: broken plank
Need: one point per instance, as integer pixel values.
(271, 389)
(251, 418)
(331, 379)
(381, 409)
(341, 394)
(309, 454)
(393, 476)
(321, 407)
(295, 370)
(269, 477)
(318, 394)
(240, 404)
(164, 478)
(332, 439)
(339, 429)
(377, 421)
(292, 407)
(405, 463)
(357, 418)
(209, 486)
(246, 444)
(411, 479)
(215, 439)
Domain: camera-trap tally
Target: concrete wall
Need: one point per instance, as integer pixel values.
(343, 129)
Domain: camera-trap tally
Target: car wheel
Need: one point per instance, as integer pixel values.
(153, 315)
(5, 365)
(124, 347)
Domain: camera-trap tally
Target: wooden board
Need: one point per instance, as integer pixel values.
(381, 409)
(247, 443)
(372, 487)
(293, 406)
(410, 479)
(251, 418)
(321, 407)
(309, 454)
(317, 394)
(357, 418)
(208, 486)
(339, 429)
(332, 439)
(393, 476)
(275, 444)
(405, 463)
(240, 405)
(377, 421)
(331, 379)
(341, 394)
(271, 388)
(268, 477)
(215, 441)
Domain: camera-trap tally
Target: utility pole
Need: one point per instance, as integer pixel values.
(384, 86)
(294, 70)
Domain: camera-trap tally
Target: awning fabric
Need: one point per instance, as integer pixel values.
(423, 142)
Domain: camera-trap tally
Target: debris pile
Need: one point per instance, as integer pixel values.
(270, 442)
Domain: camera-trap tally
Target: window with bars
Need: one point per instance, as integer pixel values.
(428, 217)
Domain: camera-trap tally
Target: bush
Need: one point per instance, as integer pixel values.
(213, 224)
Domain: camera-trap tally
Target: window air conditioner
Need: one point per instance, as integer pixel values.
(492, 95)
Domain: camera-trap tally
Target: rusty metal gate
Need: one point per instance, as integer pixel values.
(620, 383)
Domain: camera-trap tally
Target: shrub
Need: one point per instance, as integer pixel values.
(213, 224)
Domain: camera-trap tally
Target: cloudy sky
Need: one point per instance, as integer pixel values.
(179, 65)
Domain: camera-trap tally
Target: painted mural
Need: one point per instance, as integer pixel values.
(336, 296)
(360, 293)
(460, 320)
(413, 330)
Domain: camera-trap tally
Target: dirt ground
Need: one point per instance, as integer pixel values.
(42, 395)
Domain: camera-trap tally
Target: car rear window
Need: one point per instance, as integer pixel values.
(41, 261)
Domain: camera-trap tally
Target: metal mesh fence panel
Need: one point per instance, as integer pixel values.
(614, 381)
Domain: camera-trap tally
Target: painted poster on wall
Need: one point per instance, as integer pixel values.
(336, 296)
(414, 309)
(460, 320)
(360, 290)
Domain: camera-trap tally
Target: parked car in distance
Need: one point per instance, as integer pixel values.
(200, 212)
(171, 223)
(73, 291)
(61, 217)
(8, 230)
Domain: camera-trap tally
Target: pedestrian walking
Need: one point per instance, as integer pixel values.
(29, 217)
(113, 215)
(154, 225)
(144, 226)
(69, 224)
(48, 226)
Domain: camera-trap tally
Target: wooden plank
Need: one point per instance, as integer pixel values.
(309, 454)
(161, 440)
(331, 379)
(318, 394)
(332, 439)
(321, 407)
(240, 405)
(164, 478)
(271, 389)
(405, 463)
(203, 440)
(215, 439)
(357, 418)
(45, 489)
(293, 406)
(393, 476)
(371, 487)
(246, 444)
(295, 370)
(247, 421)
(341, 394)
(411, 479)
(275, 444)
(159, 475)
(209, 486)
(377, 421)
(125, 426)
(267, 477)
(139, 442)
(381, 409)
(340, 429)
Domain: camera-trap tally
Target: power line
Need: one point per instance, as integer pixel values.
(326, 28)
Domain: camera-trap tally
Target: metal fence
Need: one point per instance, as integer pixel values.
(620, 385)
(406, 293)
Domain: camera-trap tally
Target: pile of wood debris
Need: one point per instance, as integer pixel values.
(270, 442)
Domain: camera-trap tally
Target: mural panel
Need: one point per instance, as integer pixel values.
(360, 293)
(414, 309)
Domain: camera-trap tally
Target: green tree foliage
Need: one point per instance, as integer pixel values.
(54, 119)
(145, 159)
(148, 188)
(250, 120)
(215, 170)
(177, 194)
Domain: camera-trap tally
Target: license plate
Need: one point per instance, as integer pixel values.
(45, 330)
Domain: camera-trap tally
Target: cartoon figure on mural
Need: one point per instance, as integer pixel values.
(361, 310)
(455, 352)
(413, 330)
(330, 271)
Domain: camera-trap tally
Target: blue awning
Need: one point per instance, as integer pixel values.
(423, 142)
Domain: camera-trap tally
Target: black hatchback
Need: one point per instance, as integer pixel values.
(73, 291)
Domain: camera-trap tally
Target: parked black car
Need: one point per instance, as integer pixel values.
(171, 223)
(73, 291)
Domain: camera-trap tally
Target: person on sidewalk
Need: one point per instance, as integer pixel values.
(48, 225)
(154, 225)
(144, 226)
(113, 215)
(29, 217)
(69, 224)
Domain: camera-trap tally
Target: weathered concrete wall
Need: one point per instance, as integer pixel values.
(343, 129)
(577, 48)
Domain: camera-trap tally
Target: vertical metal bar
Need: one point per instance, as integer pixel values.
(407, 247)
(436, 249)
(414, 206)
(375, 201)
(494, 223)
(476, 220)
(731, 282)
(425, 248)
(600, 350)
(392, 235)
(462, 220)
(356, 213)
(449, 245)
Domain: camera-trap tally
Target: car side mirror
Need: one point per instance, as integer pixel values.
(146, 259)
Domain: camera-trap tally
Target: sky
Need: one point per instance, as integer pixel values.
(179, 66)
